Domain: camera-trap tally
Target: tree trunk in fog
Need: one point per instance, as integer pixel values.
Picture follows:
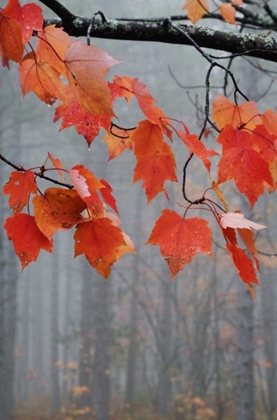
(165, 351)
(85, 377)
(133, 347)
(66, 332)
(269, 337)
(101, 372)
(133, 344)
(217, 363)
(23, 382)
(55, 388)
(245, 368)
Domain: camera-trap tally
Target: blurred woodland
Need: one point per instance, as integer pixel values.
(74, 346)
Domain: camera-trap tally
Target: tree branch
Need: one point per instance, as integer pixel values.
(254, 45)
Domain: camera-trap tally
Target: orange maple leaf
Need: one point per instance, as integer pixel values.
(84, 181)
(117, 141)
(11, 45)
(147, 139)
(228, 12)
(40, 78)
(20, 186)
(146, 103)
(269, 119)
(29, 17)
(197, 147)
(57, 209)
(121, 87)
(57, 164)
(101, 242)
(244, 267)
(226, 112)
(52, 46)
(196, 9)
(86, 67)
(180, 239)
(154, 170)
(27, 239)
(106, 193)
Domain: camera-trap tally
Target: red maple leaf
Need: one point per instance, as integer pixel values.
(101, 242)
(180, 239)
(154, 170)
(28, 16)
(197, 147)
(27, 239)
(11, 45)
(244, 266)
(20, 186)
(243, 163)
(86, 124)
(106, 193)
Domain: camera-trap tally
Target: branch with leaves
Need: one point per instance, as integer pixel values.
(72, 75)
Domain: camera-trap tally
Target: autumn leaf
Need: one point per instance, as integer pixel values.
(269, 119)
(57, 209)
(27, 239)
(220, 195)
(238, 221)
(100, 241)
(29, 17)
(180, 239)
(57, 164)
(86, 124)
(117, 141)
(121, 87)
(196, 9)
(226, 112)
(244, 266)
(20, 186)
(106, 193)
(154, 170)
(248, 238)
(40, 78)
(51, 48)
(147, 139)
(86, 67)
(228, 12)
(244, 164)
(11, 45)
(197, 147)
(146, 103)
(85, 183)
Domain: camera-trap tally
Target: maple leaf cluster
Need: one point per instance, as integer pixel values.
(73, 73)
(97, 234)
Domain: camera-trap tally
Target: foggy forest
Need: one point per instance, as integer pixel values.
(138, 346)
